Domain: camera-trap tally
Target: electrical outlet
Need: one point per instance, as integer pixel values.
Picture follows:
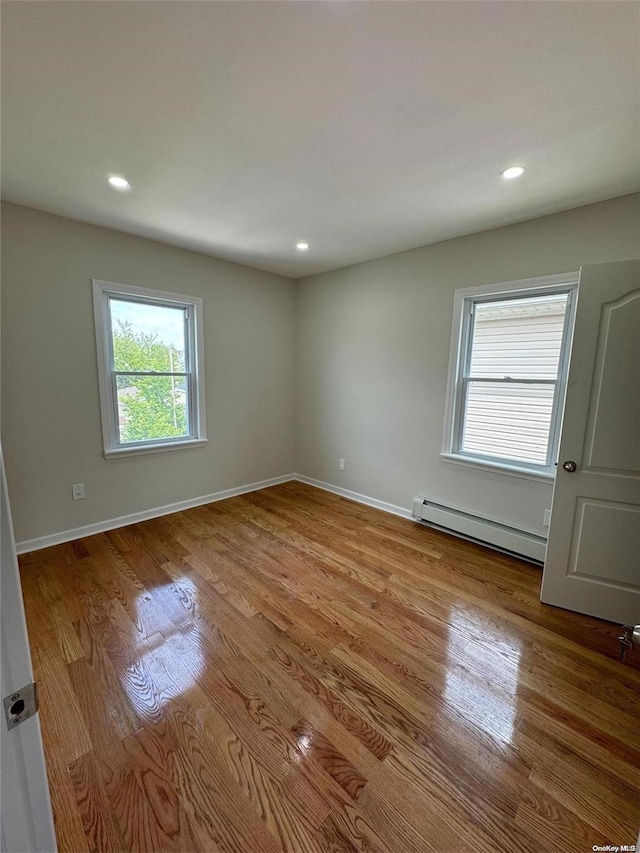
(547, 517)
(77, 491)
(342, 464)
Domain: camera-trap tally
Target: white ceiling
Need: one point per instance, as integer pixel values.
(363, 127)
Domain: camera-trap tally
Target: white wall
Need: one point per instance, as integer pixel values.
(372, 356)
(368, 370)
(50, 413)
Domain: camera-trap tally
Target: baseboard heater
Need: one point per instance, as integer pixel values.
(482, 530)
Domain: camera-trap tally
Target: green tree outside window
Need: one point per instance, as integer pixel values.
(149, 406)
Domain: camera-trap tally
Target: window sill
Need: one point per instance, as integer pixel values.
(122, 452)
(498, 468)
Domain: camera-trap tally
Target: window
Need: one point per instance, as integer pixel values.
(151, 368)
(507, 374)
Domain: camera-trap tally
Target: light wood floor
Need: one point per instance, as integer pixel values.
(290, 671)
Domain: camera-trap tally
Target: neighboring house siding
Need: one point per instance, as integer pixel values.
(513, 420)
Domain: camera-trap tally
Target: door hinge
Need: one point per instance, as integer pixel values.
(20, 705)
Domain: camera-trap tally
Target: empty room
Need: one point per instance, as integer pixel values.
(320, 415)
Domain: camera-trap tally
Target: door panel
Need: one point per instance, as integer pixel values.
(604, 544)
(615, 395)
(593, 555)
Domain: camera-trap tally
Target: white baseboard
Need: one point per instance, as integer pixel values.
(123, 520)
(355, 496)
(40, 542)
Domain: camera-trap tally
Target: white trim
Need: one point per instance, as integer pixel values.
(124, 520)
(563, 279)
(194, 365)
(457, 352)
(137, 450)
(510, 470)
(156, 512)
(355, 496)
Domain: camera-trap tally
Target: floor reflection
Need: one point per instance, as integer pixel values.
(304, 741)
(168, 664)
(483, 666)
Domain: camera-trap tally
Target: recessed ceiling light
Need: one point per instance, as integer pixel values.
(302, 246)
(119, 183)
(512, 172)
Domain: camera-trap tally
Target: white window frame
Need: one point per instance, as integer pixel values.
(194, 367)
(461, 340)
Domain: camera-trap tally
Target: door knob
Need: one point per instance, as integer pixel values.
(569, 466)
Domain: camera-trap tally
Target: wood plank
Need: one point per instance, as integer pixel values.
(100, 828)
(69, 824)
(291, 671)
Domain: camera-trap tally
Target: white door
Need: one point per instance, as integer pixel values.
(593, 556)
(26, 822)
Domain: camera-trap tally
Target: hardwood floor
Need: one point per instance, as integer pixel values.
(290, 671)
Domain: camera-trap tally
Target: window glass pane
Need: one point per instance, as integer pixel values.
(508, 420)
(147, 336)
(152, 407)
(520, 338)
